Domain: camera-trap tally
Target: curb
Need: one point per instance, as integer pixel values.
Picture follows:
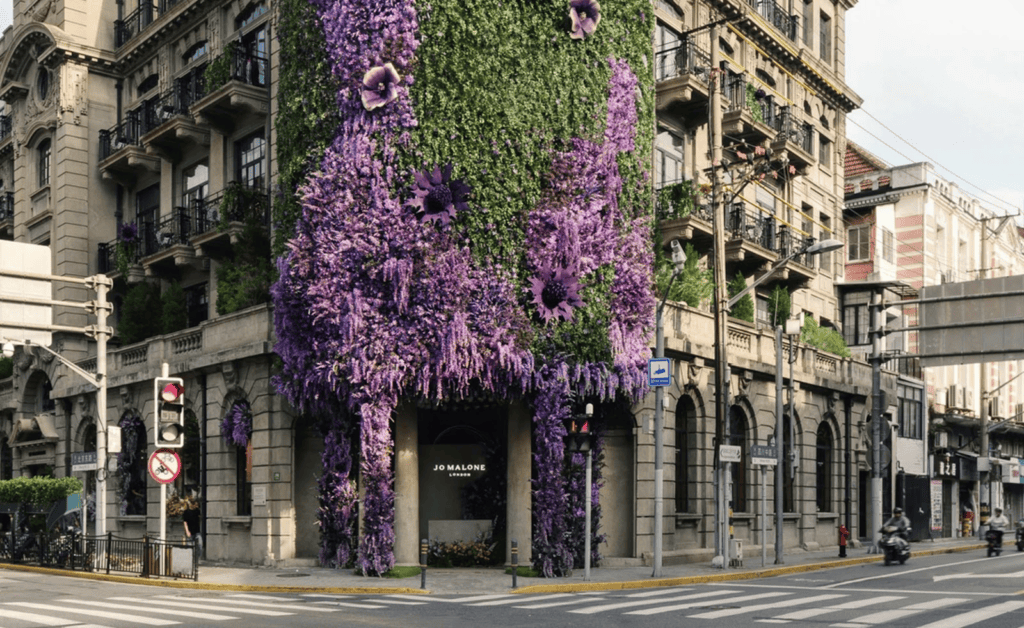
(534, 588)
(727, 577)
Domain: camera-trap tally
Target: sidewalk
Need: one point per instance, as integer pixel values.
(496, 581)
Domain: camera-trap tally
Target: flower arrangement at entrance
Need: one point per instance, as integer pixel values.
(477, 222)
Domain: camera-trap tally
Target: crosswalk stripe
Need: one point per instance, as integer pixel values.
(520, 598)
(43, 620)
(679, 607)
(348, 604)
(205, 605)
(272, 598)
(618, 605)
(729, 612)
(151, 609)
(975, 616)
(247, 603)
(807, 613)
(139, 619)
(889, 616)
(656, 592)
(401, 602)
(577, 600)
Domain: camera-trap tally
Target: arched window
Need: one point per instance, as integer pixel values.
(195, 52)
(250, 14)
(686, 412)
(43, 152)
(823, 467)
(738, 437)
(788, 473)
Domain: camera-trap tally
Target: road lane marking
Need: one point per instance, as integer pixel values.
(347, 604)
(138, 619)
(691, 601)
(975, 616)
(150, 609)
(701, 597)
(401, 602)
(807, 613)
(205, 604)
(44, 620)
(519, 598)
(656, 592)
(889, 616)
(902, 572)
(247, 603)
(729, 612)
(575, 600)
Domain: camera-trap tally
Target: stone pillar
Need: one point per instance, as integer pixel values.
(407, 487)
(520, 463)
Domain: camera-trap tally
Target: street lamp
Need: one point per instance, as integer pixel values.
(823, 246)
(678, 260)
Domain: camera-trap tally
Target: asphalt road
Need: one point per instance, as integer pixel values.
(944, 591)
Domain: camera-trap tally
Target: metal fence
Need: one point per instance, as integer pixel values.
(145, 557)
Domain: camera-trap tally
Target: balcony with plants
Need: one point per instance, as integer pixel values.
(235, 82)
(682, 72)
(220, 220)
(167, 244)
(169, 127)
(684, 213)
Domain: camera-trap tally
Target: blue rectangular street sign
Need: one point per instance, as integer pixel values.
(659, 372)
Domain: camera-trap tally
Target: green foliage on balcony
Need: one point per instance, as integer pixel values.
(245, 279)
(754, 105)
(174, 314)
(823, 338)
(676, 200)
(779, 306)
(693, 286)
(218, 72)
(241, 203)
(146, 312)
(744, 308)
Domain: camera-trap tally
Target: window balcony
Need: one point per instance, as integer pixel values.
(236, 83)
(217, 220)
(682, 85)
(777, 16)
(139, 20)
(167, 244)
(750, 114)
(795, 138)
(684, 219)
(121, 153)
(170, 127)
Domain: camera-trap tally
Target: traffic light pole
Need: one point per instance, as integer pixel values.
(164, 372)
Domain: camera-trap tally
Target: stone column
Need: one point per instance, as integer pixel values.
(407, 487)
(520, 463)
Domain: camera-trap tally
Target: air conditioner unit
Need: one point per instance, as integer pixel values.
(1018, 412)
(953, 397)
(995, 408)
(940, 397)
(969, 399)
(941, 440)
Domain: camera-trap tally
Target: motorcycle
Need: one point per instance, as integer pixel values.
(893, 546)
(995, 542)
(1020, 535)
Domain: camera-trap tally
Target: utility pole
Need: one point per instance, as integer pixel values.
(875, 522)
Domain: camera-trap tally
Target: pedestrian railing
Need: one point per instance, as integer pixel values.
(108, 554)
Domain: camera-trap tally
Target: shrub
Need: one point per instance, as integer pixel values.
(140, 313)
(744, 308)
(474, 553)
(174, 315)
(245, 280)
(779, 306)
(823, 338)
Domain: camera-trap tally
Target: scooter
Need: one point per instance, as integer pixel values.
(995, 542)
(893, 546)
(1020, 535)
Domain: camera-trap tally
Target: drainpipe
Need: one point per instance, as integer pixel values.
(202, 464)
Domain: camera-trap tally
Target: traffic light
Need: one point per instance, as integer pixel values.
(169, 417)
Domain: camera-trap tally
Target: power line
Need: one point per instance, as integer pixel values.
(1008, 204)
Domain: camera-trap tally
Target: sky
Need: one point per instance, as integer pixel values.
(942, 82)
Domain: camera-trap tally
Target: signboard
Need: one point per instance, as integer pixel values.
(729, 453)
(259, 496)
(164, 465)
(84, 461)
(659, 372)
(972, 322)
(936, 518)
(764, 455)
(1011, 472)
(21, 257)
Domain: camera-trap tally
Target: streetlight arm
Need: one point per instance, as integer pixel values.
(87, 376)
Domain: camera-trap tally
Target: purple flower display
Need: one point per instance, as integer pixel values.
(555, 292)
(128, 233)
(372, 309)
(380, 86)
(236, 426)
(436, 196)
(131, 467)
(585, 16)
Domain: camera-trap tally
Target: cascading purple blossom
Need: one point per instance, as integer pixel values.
(337, 494)
(236, 426)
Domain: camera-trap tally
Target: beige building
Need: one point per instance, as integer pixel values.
(112, 118)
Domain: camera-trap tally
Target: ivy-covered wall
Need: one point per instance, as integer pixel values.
(479, 221)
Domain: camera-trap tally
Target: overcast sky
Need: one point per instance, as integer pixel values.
(948, 78)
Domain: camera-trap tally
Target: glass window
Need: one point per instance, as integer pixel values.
(685, 411)
(195, 184)
(44, 153)
(888, 246)
(668, 51)
(669, 159)
(195, 52)
(147, 216)
(910, 411)
(249, 154)
(826, 38)
(250, 14)
(809, 22)
(824, 151)
(738, 437)
(197, 303)
(858, 243)
(823, 468)
(855, 325)
(243, 477)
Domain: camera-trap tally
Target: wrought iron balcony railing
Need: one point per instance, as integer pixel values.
(682, 57)
(6, 206)
(126, 133)
(138, 20)
(163, 108)
(778, 17)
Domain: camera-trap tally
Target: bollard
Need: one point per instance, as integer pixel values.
(515, 562)
(423, 563)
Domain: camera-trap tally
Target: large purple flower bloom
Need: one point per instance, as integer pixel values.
(437, 196)
(555, 293)
(585, 16)
(129, 233)
(380, 86)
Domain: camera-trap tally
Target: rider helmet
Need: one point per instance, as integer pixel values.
(897, 511)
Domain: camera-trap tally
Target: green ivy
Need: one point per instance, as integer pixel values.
(823, 338)
(744, 308)
(39, 491)
(218, 72)
(676, 200)
(307, 115)
(245, 279)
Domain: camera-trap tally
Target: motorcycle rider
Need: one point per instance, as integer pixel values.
(998, 525)
(901, 523)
